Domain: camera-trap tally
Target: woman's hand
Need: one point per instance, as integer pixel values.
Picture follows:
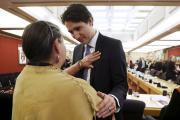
(86, 62)
(89, 59)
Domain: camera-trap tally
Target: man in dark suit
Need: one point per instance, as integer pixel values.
(109, 73)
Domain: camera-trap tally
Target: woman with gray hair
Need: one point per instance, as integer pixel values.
(45, 92)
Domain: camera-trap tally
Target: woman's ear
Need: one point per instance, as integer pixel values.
(56, 51)
(56, 47)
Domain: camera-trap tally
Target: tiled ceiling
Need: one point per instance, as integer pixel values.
(119, 18)
(114, 20)
(121, 22)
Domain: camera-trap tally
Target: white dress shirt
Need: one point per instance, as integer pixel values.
(92, 43)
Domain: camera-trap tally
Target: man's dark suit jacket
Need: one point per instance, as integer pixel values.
(109, 74)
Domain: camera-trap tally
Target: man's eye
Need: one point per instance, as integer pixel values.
(77, 29)
(71, 32)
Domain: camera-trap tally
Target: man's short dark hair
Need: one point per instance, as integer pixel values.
(38, 38)
(76, 13)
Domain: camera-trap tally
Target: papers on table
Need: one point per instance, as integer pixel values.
(151, 101)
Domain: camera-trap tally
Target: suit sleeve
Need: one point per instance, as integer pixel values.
(74, 55)
(118, 72)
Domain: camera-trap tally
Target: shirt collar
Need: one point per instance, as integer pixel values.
(93, 41)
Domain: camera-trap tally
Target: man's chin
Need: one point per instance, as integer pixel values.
(82, 41)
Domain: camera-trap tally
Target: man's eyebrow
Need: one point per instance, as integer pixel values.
(75, 28)
(70, 31)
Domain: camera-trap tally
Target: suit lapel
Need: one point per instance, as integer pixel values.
(80, 52)
(99, 43)
(99, 47)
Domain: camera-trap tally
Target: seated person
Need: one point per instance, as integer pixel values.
(171, 71)
(42, 90)
(131, 64)
(172, 110)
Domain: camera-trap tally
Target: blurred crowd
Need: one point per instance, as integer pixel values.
(167, 69)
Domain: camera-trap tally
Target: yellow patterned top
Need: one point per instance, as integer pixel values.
(46, 93)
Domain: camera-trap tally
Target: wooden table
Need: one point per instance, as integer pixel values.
(153, 107)
(151, 88)
(152, 102)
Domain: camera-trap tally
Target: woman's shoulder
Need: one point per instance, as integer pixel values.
(83, 85)
(76, 81)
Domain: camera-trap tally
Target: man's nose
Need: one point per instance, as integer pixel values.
(76, 35)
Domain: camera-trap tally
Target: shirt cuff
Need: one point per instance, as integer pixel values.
(117, 103)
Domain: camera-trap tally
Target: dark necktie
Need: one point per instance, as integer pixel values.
(85, 73)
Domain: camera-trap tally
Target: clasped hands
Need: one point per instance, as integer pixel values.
(107, 106)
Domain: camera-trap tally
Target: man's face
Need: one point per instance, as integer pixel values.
(80, 31)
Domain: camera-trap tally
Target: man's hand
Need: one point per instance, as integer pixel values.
(107, 107)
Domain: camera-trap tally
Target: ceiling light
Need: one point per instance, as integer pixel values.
(144, 8)
(118, 15)
(100, 21)
(9, 20)
(122, 8)
(136, 20)
(40, 13)
(165, 43)
(97, 8)
(97, 14)
(132, 25)
(101, 26)
(44, 14)
(140, 14)
(120, 20)
(130, 29)
(173, 36)
(15, 32)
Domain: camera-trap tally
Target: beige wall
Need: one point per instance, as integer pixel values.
(156, 55)
(135, 56)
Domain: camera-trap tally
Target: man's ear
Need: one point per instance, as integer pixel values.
(90, 21)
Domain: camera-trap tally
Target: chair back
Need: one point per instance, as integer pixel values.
(163, 76)
(5, 106)
(133, 109)
(158, 74)
(153, 72)
(178, 80)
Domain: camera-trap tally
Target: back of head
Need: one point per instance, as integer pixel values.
(38, 38)
(76, 13)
